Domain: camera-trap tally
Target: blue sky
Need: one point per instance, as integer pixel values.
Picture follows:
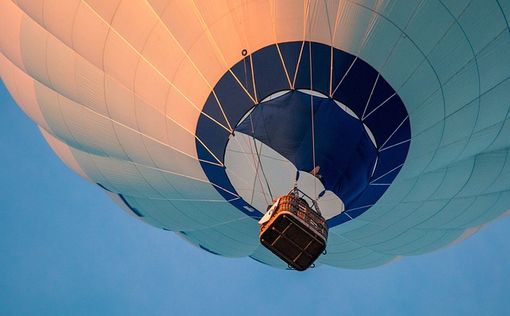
(66, 249)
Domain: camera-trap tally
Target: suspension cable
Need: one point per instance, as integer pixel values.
(259, 160)
(312, 105)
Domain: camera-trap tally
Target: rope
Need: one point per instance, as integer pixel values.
(259, 161)
(312, 117)
(311, 104)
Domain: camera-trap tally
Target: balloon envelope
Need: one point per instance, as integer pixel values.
(194, 115)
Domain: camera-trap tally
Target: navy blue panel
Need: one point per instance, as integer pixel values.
(213, 136)
(234, 100)
(343, 149)
(382, 92)
(341, 63)
(290, 53)
(303, 71)
(321, 62)
(242, 70)
(268, 61)
(386, 119)
(388, 159)
(214, 110)
(294, 110)
(388, 178)
(356, 87)
(205, 155)
(402, 134)
(321, 67)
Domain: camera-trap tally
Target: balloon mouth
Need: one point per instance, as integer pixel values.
(313, 111)
(273, 149)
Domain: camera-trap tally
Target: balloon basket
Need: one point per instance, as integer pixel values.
(294, 231)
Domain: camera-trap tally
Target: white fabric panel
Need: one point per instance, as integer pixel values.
(33, 41)
(321, 20)
(34, 8)
(502, 140)
(10, 24)
(489, 214)
(450, 54)
(482, 21)
(213, 212)
(146, 182)
(16, 82)
(118, 69)
(486, 170)
(165, 213)
(422, 149)
(455, 177)
(353, 25)
(461, 88)
(420, 97)
(220, 21)
(500, 182)
(254, 23)
(430, 113)
(87, 22)
(493, 62)
(186, 215)
(425, 186)
(330, 205)
(421, 21)
(141, 181)
(468, 218)
(260, 175)
(79, 125)
(123, 206)
(249, 175)
(147, 218)
(403, 61)
(399, 12)
(449, 212)
(380, 43)
(59, 18)
(288, 20)
(235, 239)
(429, 241)
(65, 153)
(456, 8)
(345, 253)
(194, 42)
(493, 106)
(89, 131)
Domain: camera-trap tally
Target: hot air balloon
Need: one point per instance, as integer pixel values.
(387, 119)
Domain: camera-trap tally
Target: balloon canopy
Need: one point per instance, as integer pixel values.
(195, 115)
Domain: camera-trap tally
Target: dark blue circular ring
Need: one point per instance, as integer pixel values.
(352, 81)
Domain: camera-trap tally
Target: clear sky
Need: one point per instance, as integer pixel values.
(66, 249)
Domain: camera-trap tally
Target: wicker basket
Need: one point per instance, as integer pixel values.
(294, 232)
